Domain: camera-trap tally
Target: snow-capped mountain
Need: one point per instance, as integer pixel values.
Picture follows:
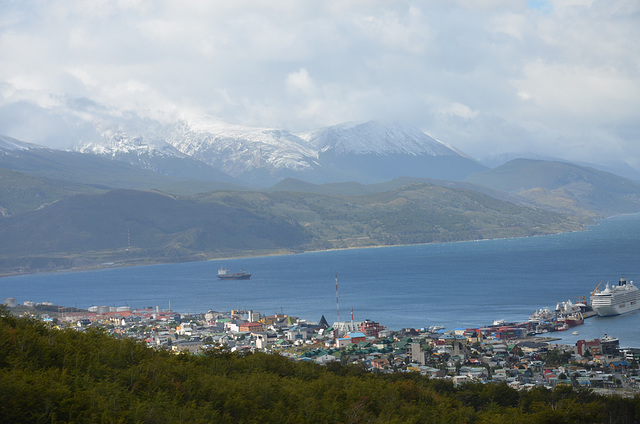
(366, 152)
(377, 138)
(11, 145)
(375, 151)
(117, 143)
(151, 152)
(243, 151)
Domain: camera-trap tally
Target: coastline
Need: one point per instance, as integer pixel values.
(256, 254)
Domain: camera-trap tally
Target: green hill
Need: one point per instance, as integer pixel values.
(350, 188)
(132, 226)
(20, 193)
(49, 375)
(414, 213)
(125, 225)
(563, 187)
(102, 172)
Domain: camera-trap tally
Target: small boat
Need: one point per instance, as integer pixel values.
(223, 274)
(575, 333)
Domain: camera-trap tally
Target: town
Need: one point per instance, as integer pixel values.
(501, 352)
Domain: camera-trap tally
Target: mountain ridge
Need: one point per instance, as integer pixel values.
(563, 187)
(265, 156)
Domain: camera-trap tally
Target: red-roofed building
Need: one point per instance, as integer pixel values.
(254, 327)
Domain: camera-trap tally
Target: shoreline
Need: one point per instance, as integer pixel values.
(257, 254)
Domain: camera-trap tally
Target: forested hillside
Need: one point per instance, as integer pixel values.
(136, 226)
(50, 375)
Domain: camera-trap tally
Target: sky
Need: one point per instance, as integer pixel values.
(547, 77)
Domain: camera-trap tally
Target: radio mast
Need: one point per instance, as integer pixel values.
(353, 328)
(337, 330)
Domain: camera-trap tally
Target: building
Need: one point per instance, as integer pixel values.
(11, 302)
(356, 337)
(251, 327)
(610, 345)
(588, 347)
(380, 363)
(370, 328)
(253, 316)
(417, 354)
(344, 327)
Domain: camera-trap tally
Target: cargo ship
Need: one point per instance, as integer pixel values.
(223, 274)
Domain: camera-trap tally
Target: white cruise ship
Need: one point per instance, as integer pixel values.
(616, 300)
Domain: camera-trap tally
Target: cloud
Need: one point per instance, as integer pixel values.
(553, 77)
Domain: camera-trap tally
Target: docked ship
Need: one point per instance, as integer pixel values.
(567, 314)
(573, 319)
(616, 300)
(223, 274)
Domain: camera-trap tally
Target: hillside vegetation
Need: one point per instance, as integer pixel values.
(412, 213)
(563, 187)
(95, 172)
(20, 192)
(135, 226)
(49, 375)
(131, 226)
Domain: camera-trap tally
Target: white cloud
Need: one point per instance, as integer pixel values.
(300, 82)
(551, 76)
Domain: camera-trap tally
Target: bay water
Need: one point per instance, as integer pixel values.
(463, 284)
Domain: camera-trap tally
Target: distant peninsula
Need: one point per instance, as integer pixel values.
(133, 227)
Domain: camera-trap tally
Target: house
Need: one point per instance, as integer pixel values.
(342, 342)
(326, 358)
(619, 365)
(380, 363)
(297, 333)
(461, 379)
(432, 372)
(184, 330)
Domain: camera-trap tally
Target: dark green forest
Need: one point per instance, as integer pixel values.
(54, 376)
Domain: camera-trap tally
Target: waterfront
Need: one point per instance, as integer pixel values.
(451, 284)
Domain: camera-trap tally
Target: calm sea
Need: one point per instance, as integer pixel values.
(452, 284)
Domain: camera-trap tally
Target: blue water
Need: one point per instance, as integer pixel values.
(452, 284)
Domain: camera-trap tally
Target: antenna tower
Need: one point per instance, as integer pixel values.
(337, 332)
(353, 328)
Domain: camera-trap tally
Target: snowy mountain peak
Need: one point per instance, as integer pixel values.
(375, 137)
(117, 142)
(236, 150)
(370, 151)
(9, 144)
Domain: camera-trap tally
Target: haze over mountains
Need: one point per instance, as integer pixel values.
(192, 191)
